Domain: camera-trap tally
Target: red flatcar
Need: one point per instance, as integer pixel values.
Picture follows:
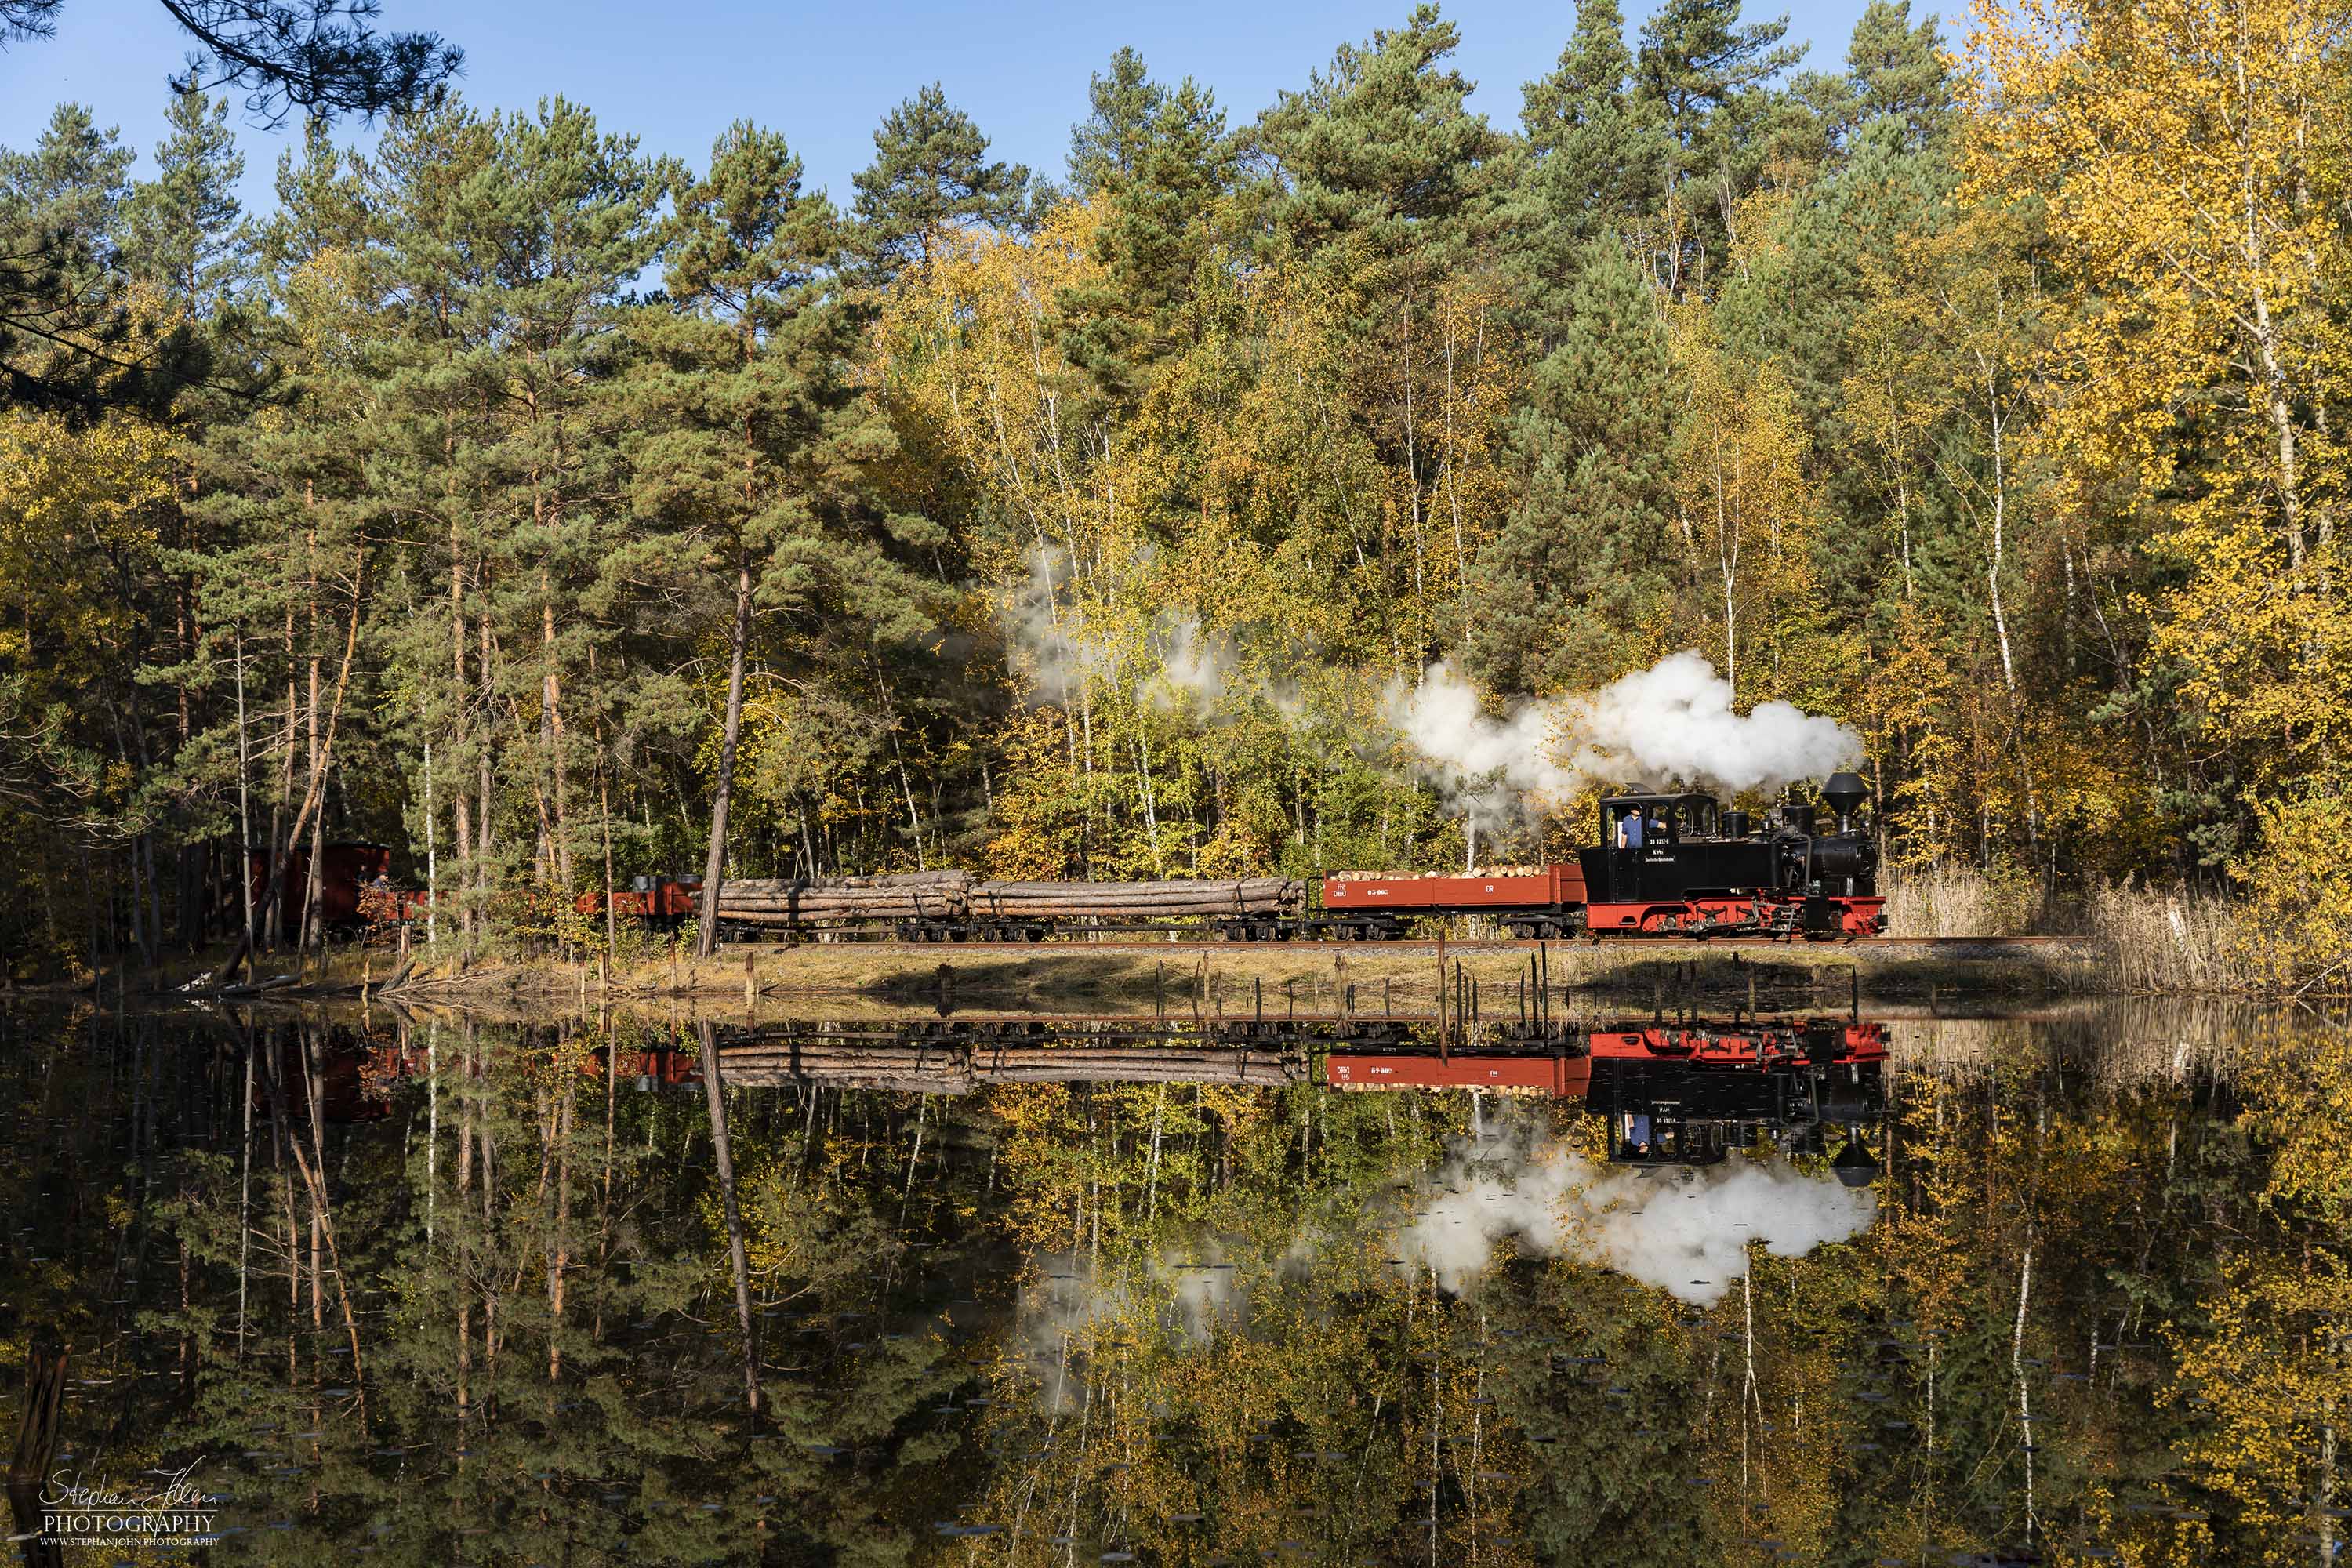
(663, 901)
(1548, 902)
(346, 869)
(1559, 1077)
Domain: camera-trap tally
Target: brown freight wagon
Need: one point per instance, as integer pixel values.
(1545, 902)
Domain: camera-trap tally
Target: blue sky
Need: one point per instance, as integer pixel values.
(676, 74)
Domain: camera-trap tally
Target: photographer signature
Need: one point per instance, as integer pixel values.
(69, 1490)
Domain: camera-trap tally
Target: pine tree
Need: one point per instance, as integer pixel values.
(1895, 70)
(1382, 149)
(184, 238)
(1159, 222)
(573, 225)
(756, 438)
(1107, 147)
(1598, 160)
(930, 178)
(1697, 57)
(183, 228)
(1703, 76)
(1578, 576)
(63, 335)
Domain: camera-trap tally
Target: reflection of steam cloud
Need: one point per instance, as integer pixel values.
(1688, 1236)
(1068, 1299)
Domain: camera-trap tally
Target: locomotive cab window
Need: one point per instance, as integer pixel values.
(1646, 821)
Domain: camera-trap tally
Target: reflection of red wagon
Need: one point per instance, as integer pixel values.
(1559, 1077)
(355, 1080)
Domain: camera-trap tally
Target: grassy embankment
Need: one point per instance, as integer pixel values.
(2106, 939)
(1216, 978)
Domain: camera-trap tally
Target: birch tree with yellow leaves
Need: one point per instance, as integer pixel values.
(2187, 155)
(1743, 506)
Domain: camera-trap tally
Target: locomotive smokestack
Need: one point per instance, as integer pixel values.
(1845, 792)
(1855, 1165)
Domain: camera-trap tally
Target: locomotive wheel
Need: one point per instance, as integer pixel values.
(1523, 930)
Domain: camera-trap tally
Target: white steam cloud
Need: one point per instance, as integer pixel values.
(1193, 663)
(1671, 723)
(1048, 631)
(1054, 650)
(1674, 721)
(1685, 1234)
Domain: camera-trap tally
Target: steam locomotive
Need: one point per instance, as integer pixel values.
(1666, 865)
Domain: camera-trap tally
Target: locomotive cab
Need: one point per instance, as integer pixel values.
(1661, 847)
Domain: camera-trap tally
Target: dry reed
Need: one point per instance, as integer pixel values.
(1960, 900)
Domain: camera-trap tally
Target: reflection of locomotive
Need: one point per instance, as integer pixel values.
(1678, 1094)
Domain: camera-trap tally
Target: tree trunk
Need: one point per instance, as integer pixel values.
(714, 869)
(37, 1442)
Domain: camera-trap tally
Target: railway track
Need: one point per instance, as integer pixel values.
(1429, 945)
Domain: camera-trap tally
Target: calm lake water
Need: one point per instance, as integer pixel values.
(438, 1287)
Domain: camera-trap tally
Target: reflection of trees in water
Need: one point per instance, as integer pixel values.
(2121, 1040)
(543, 1343)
